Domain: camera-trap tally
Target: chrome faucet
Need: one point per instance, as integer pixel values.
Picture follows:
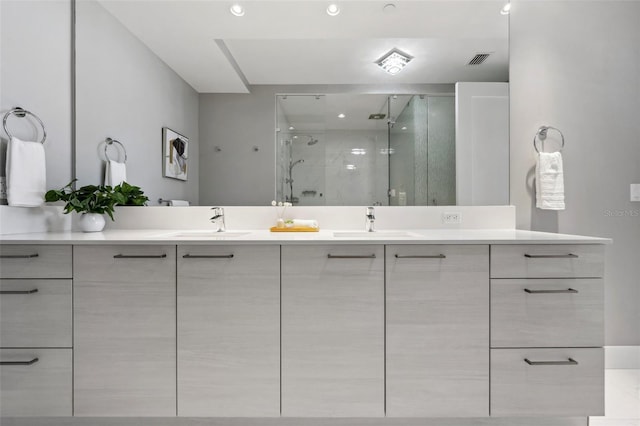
(370, 220)
(218, 213)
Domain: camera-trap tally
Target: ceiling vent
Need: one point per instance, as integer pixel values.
(479, 59)
(377, 116)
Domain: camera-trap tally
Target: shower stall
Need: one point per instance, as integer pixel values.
(348, 149)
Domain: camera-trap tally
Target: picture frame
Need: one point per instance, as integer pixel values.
(175, 154)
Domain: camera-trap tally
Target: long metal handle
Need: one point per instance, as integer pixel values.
(569, 290)
(551, 256)
(19, 256)
(417, 256)
(30, 362)
(35, 290)
(570, 361)
(208, 256)
(339, 256)
(135, 256)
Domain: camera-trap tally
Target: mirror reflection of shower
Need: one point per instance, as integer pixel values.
(310, 141)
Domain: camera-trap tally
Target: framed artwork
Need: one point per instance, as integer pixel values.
(175, 153)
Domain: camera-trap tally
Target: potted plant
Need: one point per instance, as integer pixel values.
(92, 201)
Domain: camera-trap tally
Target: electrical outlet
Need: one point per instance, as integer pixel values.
(451, 218)
(635, 192)
(3, 188)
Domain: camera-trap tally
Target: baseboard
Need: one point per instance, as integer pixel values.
(622, 357)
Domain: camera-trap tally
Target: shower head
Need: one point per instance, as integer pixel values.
(312, 141)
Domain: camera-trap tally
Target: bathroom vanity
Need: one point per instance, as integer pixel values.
(429, 324)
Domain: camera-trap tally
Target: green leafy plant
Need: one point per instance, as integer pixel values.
(129, 195)
(99, 199)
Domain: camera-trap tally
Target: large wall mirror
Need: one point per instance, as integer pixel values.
(288, 102)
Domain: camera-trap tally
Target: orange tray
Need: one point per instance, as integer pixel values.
(294, 229)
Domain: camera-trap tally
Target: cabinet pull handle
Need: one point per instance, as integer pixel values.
(569, 290)
(208, 256)
(136, 256)
(417, 256)
(19, 256)
(30, 362)
(34, 290)
(551, 256)
(570, 361)
(349, 256)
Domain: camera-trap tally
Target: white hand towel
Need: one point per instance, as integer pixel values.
(115, 173)
(26, 173)
(549, 181)
(178, 203)
(302, 223)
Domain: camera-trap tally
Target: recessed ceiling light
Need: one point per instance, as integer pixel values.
(506, 9)
(350, 167)
(295, 137)
(404, 127)
(333, 9)
(394, 61)
(237, 9)
(291, 128)
(341, 115)
(358, 151)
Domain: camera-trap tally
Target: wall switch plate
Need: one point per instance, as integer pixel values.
(3, 188)
(635, 192)
(451, 218)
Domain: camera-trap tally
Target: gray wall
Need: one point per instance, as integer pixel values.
(35, 74)
(576, 66)
(124, 91)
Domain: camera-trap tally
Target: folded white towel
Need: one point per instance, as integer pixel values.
(115, 173)
(26, 173)
(178, 203)
(302, 223)
(549, 181)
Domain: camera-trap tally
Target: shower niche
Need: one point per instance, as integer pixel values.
(366, 149)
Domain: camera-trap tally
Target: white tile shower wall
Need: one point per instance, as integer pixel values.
(352, 218)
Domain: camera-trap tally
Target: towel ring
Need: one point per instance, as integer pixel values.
(541, 134)
(109, 142)
(21, 113)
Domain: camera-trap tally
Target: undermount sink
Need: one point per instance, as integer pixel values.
(374, 235)
(205, 234)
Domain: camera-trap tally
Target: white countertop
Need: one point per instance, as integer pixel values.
(415, 236)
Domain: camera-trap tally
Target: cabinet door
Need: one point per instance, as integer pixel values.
(437, 301)
(125, 331)
(333, 331)
(228, 331)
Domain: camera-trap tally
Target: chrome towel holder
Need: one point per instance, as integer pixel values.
(22, 113)
(108, 142)
(541, 135)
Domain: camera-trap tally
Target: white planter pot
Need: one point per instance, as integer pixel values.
(91, 222)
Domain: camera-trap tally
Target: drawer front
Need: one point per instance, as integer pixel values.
(547, 261)
(437, 329)
(35, 261)
(573, 388)
(42, 388)
(35, 313)
(547, 312)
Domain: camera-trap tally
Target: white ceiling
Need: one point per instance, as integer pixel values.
(296, 42)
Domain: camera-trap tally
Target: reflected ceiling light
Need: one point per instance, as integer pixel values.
(350, 167)
(291, 128)
(237, 9)
(341, 115)
(333, 9)
(387, 151)
(404, 127)
(394, 61)
(295, 137)
(506, 9)
(358, 151)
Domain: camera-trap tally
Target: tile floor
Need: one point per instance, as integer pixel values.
(622, 399)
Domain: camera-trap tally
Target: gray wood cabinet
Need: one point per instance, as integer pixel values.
(333, 331)
(125, 331)
(437, 317)
(228, 331)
